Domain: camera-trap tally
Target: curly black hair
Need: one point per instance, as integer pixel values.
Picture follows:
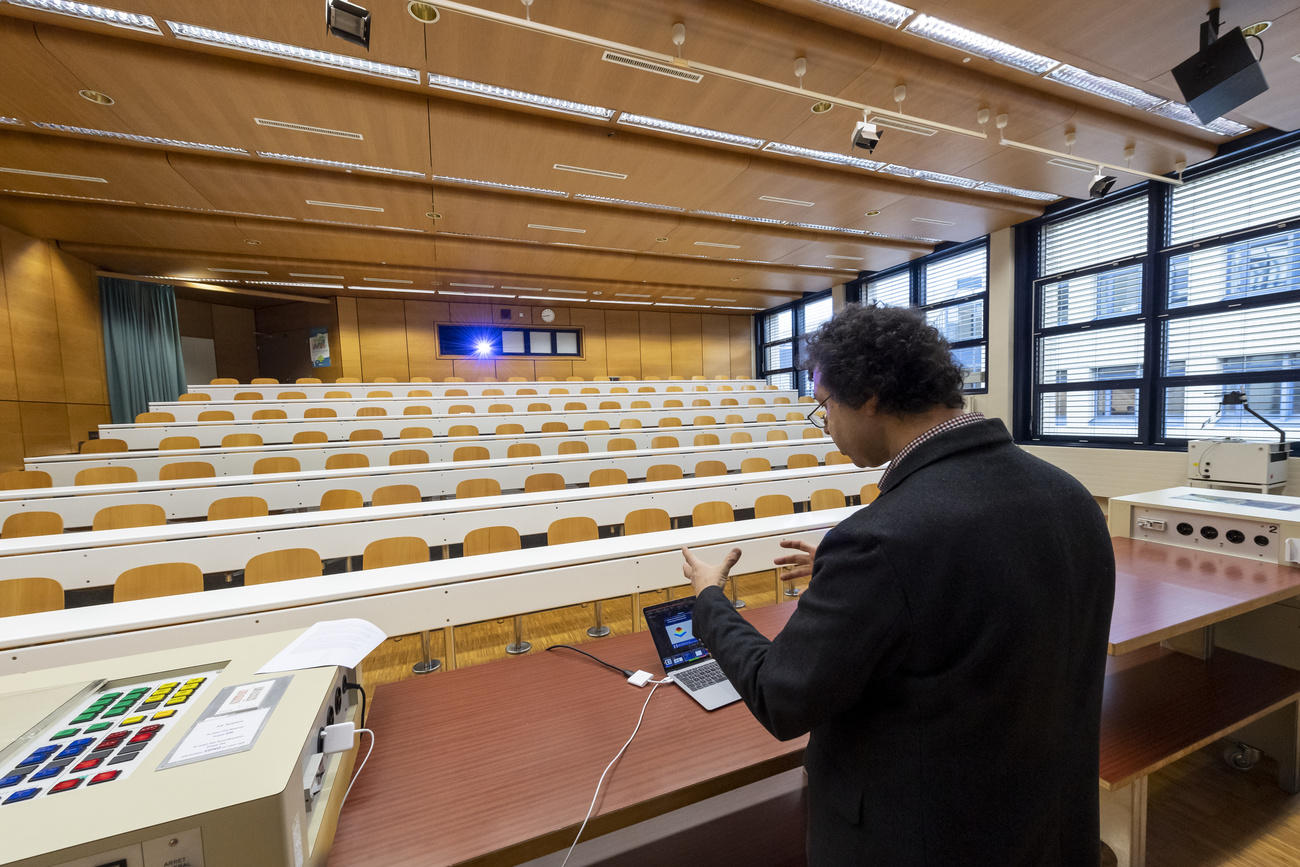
(889, 353)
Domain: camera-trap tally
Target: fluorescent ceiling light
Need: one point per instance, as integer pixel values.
(713, 244)
(777, 147)
(236, 271)
(385, 280)
(599, 173)
(941, 178)
(67, 196)
(473, 285)
(820, 227)
(780, 201)
(545, 298)
(1036, 195)
(388, 289)
(57, 175)
(472, 182)
(306, 127)
(557, 228)
(143, 139)
(611, 301)
(335, 164)
(87, 12)
(518, 97)
(520, 288)
(292, 285)
(679, 297)
(769, 220)
(475, 294)
(578, 291)
(267, 48)
(11, 121)
(344, 206)
(639, 120)
(630, 295)
(933, 221)
(370, 226)
(728, 300)
(586, 198)
(890, 122)
(1082, 79)
(845, 258)
(1181, 113)
(947, 33)
(662, 304)
(318, 276)
(881, 11)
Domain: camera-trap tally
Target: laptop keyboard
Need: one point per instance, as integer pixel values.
(700, 676)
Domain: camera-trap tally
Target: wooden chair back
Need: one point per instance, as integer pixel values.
(460, 409)
(699, 401)
(287, 564)
(509, 429)
(734, 419)
(673, 403)
(826, 498)
(341, 395)
(129, 515)
(248, 395)
(19, 480)
(491, 540)
(348, 380)
(158, 579)
(269, 414)
(402, 457)
(664, 442)
(544, 482)
(346, 461)
(384, 379)
(462, 430)
(713, 512)
(263, 380)
(216, 415)
(524, 450)
(223, 380)
(702, 420)
(812, 433)
(377, 393)
(765, 417)
(420, 392)
(869, 493)
(609, 404)
(554, 427)
(21, 524)
(663, 473)
(29, 596)
(630, 424)
(670, 421)
(709, 468)
(307, 437)
(646, 521)
(471, 453)
(492, 392)
(755, 465)
(757, 401)
(573, 447)
(282, 464)
(620, 444)
(244, 440)
(607, 476)
(365, 434)
(102, 446)
(418, 410)
(393, 495)
(800, 460)
(154, 417)
(771, 505)
(641, 404)
(168, 444)
(104, 476)
(837, 457)
(291, 395)
(516, 379)
(307, 380)
(341, 498)
(194, 396)
(396, 551)
(186, 470)
(233, 508)
(740, 437)
(595, 424)
(618, 389)
(478, 488)
(729, 401)
(577, 529)
(375, 411)
(706, 439)
(575, 406)
(421, 379)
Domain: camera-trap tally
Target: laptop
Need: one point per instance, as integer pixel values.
(685, 657)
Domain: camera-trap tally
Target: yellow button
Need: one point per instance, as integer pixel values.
(163, 714)
(163, 687)
(178, 699)
(131, 720)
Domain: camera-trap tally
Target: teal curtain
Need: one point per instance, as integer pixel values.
(142, 345)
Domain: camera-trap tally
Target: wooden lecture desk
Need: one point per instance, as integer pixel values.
(361, 389)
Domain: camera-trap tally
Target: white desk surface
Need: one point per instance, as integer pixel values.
(401, 599)
(95, 559)
(189, 498)
(360, 389)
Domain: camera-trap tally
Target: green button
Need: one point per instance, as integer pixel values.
(85, 717)
(66, 733)
(114, 711)
(108, 696)
(98, 727)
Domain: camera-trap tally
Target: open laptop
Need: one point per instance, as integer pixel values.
(685, 657)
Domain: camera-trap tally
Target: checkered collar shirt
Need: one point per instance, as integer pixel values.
(938, 430)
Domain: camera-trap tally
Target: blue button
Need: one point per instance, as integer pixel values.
(11, 780)
(50, 770)
(22, 795)
(75, 748)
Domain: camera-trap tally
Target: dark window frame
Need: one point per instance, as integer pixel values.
(795, 340)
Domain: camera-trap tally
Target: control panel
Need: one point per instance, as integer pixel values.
(1257, 540)
(1263, 527)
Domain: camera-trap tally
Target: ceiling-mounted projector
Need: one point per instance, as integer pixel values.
(1222, 75)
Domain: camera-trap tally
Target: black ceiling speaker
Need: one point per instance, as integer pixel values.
(348, 21)
(1222, 75)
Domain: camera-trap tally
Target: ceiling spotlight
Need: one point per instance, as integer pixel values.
(425, 13)
(96, 97)
(348, 21)
(866, 135)
(1256, 29)
(1101, 184)
(433, 215)
(821, 107)
(252, 242)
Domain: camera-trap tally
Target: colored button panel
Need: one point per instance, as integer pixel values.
(177, 699)
(123, 757)
(67, 785)
(163, 714)
(85, 717)
(103, 777)
(132, 720)
(11, 781)
(86, 765)
(66, 733)
(75, 748)
(39, 755)
(53, 769)
(22, 795)
(98, 727)
(114, 711)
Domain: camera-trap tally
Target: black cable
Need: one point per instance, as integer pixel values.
(361, 689)
(1255, 36)
(622, 671)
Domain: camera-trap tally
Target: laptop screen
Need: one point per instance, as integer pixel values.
(670, 625)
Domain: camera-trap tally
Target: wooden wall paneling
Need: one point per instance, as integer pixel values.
(687, 344)
(45, 429)
(381, 325)
(742, 345)
(11, 429)
(283, 335)
(656, 346)
(194, 318)
(464, 313)
(81, 332)
(84, 418)
(33, 319)
(8, 376)
(623, 343)
(715, 335)
(349, 337)
(508, 367)
(593, 343)
(235, 341)
(422, 318)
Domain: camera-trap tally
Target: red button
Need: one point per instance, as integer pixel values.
(150, 728)
(141, 737)
(86, 764)
(103, 777)
(66, 785)
(112, 740)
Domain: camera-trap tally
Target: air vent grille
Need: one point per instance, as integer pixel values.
(650, 66)
(302, 127)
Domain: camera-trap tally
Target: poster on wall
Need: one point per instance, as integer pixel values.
(319, 346)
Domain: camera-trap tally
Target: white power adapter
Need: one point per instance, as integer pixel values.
(641, 678)
(339, 737)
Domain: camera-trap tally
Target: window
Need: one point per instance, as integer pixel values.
(1144, 312)
(779, 331)
(951, 288)
(489, 341)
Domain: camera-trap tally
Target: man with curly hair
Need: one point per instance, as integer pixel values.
(949, 652)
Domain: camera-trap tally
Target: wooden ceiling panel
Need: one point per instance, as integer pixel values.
(92, 222)
(859, 255)
(177, 94)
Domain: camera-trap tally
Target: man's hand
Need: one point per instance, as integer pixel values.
(801, 563)
(704, 575)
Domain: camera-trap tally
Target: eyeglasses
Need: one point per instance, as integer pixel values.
(818, 421)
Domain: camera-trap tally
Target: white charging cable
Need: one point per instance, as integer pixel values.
(617, 756)
(360, 767)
